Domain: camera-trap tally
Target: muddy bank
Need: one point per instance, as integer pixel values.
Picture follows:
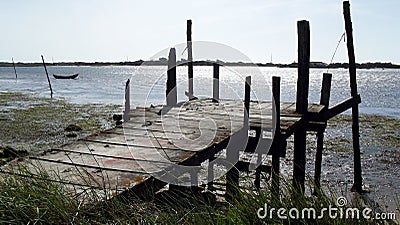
(380, 158)
(32, 123)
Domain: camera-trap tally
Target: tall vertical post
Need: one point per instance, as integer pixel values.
(171, 92)
(48, 79)
(127, 101)
(15, 71)
(215, 82)
(247, 102)
(299, 161)
(324, 100)
(190, 58)
(357, 187)
(303, 31)
(276, 110)
(232, 176)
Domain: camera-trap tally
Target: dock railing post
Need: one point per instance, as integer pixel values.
(324, 100)
(276, 113)
(357, 187)
(215, 82)
(171, 92)
(246, 115)
(190, 58)
(299, 160)
(127, 101)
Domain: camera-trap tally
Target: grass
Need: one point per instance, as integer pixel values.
(27, 200)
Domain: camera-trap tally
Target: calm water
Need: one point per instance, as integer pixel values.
(379, 89)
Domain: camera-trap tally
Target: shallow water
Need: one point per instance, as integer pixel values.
(379, 89)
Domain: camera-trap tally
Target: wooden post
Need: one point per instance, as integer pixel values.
(277, 119)
(299, 160)
(15, 71)
(127, 101)
(232, 176)
(325, 96)
(48, 79)
(190, 58)
(357, 187)
(326, 90)
(171, 92)
(210, 173)
(215, 82)
(247, 102)
(303, 31)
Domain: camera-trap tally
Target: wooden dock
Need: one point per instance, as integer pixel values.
(136, 155)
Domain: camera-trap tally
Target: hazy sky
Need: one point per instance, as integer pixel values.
(89, 30)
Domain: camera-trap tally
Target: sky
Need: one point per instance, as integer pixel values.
(120, 30)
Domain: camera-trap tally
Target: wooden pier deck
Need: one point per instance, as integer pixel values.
(132, 157)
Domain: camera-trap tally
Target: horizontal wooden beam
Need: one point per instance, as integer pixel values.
(343, 106)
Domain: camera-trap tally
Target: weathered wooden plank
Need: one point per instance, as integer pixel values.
(82, 176)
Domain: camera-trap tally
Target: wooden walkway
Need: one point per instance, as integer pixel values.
(129, 157)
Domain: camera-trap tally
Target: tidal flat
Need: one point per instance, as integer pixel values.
(33, 124)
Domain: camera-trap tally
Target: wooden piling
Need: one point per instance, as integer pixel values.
(357, 187)
(215, 82)
(171, 92)
(210, 173)
(232, 176)
(278, 137)
(127, 101)
(326, 90)
(303, 30)
(190, 58)
(324, 100)
(15, 71)
(48, 78)
(247, 102)
(299, 160)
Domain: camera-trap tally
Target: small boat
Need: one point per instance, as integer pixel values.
(72, 76)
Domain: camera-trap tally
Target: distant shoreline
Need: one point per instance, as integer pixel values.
(317, 65)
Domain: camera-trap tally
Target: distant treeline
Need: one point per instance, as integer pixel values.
(163, 62)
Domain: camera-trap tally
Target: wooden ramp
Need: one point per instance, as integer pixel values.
(133, 157)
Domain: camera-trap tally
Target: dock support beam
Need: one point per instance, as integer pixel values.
(299, 161)
(215, 82)
(324, 100)
(190, 94)
(276, 110)
(127, 101)
(357, 186)
(171, 92)
(232, 176)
